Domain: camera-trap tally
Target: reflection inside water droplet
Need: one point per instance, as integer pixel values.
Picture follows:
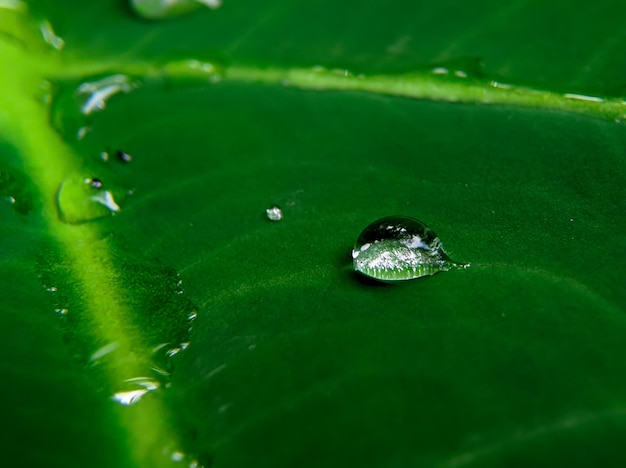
(399, 248)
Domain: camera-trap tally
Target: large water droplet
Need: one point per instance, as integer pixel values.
(161, 9)
(399, 248)
(82, 199)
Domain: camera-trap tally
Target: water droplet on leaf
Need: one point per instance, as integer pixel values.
(48, 34)
(134, 390)
(95, 183)
(75, 102)
(16, 190)
(274, 213)
(123, 157)
(399, 248)
(83, 199)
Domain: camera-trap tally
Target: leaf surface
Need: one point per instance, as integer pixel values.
(155, 279)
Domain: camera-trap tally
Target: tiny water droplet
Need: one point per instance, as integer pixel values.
(95, 183)
(274, 213)
(61, 311)
(181, 70)
(399, 248)
(161, 9)
(123, 157)
(78, 202)
(16, 190)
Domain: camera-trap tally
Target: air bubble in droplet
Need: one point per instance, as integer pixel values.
(82, 199)
(274, 213)
(399, 248)
(161, 9)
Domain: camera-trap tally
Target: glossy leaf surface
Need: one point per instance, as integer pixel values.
(232, 340)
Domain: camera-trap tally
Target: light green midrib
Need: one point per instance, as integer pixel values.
(424, 85)
(48, 161)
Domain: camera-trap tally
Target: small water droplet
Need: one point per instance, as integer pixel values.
(95, 183)
(161, 9)
(399, 248)
(48, 34)
(178, 456)
(76, 101)
(82, 199)
(274, 213)
(16, 190)
(61, 311)
(123, 157)
(134, 389)
(98, 92)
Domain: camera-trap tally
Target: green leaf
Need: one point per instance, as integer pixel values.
(154, 316)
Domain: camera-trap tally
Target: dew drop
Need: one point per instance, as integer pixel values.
(123, 157)
(399, 248)
(75, 102)
(274, 213)
(134, 389)
(83, 199)
(48, 34)
(95, 183)
(162, 9)
(97, 93)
